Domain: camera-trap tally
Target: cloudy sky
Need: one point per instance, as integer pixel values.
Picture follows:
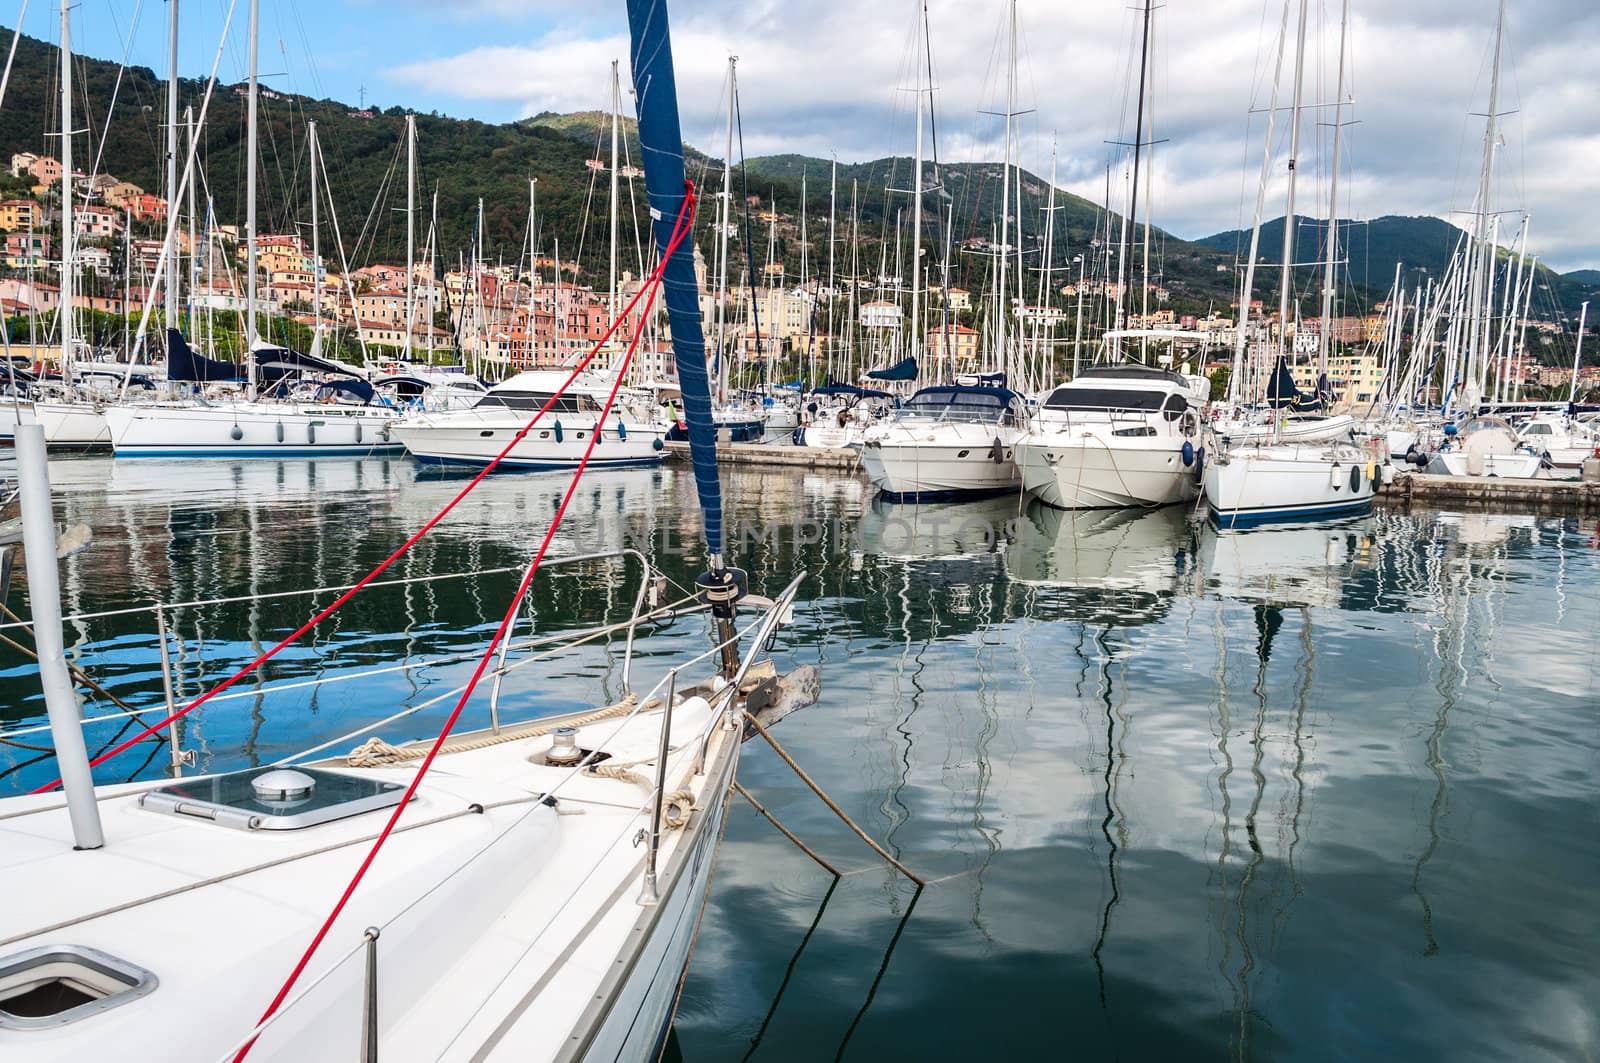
(828, 77)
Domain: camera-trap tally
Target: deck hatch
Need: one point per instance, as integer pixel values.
(255, 799)
(58, 984)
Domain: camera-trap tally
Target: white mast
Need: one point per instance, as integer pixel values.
(833, 291)
(64, 310)
(616, 122)
(1333, 203)
(1482, 282)
(722, 235)
(316, 247)
(1005, 184)
(250, 198)
(1286, 278)
(1236, 389)
(1577, 357)
(189, 183)
(170, 302)
(411, 229)
(916, 195)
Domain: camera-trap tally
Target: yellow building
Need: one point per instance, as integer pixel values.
(1355, 378)
(17, 214)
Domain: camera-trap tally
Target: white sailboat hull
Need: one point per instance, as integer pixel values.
(942, 461)
(248, 429)
(1084, 470)
(13, 413)
(73, 424)
(1288, 482)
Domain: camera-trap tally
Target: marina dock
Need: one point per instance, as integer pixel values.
(841, 458)
(1501, 494)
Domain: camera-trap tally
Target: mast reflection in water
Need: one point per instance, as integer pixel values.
(1312, 792)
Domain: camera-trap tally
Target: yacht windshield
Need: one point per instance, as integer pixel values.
(1089, 398)
(535, 400)
(960, 404)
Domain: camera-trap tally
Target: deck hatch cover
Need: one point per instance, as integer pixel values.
(233, 800)
(58, 984)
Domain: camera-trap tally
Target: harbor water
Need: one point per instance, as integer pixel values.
(1318, 792)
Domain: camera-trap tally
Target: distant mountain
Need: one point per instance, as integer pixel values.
(1371, 250)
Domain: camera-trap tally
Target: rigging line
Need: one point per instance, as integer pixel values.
(680, 230)
(116, 87)
(387, 562)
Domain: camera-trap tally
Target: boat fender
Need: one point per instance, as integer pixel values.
(1419, 458)
(656, 444)
(1372, 472)
(384, 433)
(598, 435)
(311, 433)
(1451, 430)
(1355, 477)
(358, 433)
(1411, 454)
(1199, 464)
(1545, 461)
(622, 431)
(1188, 453)
(559, 435)
(280, 431)
(1336, 476)
(997, 452)
(237, 433)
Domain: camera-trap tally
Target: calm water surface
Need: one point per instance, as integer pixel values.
(1328, 792)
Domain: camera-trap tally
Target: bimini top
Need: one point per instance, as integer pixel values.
(1129, 373)
(958, 402)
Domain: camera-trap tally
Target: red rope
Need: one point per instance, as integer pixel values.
(680, 229)
(392, 558)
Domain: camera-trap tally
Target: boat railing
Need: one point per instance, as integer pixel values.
(647, 606)
(355, 970)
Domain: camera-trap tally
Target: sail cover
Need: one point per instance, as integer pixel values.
(904, 369)
(184, 364)
(655, 93)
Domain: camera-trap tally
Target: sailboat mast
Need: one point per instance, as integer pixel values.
(316, 242)
(1333, 202)
(189, 183)
(1138, 153)
(724, 222)
(1286, 282)
(1236, 388)
(64, 308)
(833, 291)
(250, 198)
(170, 293)
(411, 229)
(1005, 183)
(616, 127)
(1491, 132)
(916, 197)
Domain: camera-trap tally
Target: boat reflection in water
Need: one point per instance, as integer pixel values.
(1132, 561)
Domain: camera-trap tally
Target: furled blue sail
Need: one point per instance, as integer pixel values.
(904, 369)
(655, 94)
(184, 364)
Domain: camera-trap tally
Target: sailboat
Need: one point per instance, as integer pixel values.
(531, 891)
(295, 404)
(949, 440)
(1278, 478)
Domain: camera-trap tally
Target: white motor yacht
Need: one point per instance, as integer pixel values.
(1562, 440)
(1124, 435)
(475, 436)
(948, 441)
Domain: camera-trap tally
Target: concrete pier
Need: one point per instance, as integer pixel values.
(1498, 493)
(842, 459)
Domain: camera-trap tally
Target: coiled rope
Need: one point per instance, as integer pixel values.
(376, 753)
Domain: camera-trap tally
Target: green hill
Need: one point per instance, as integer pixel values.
(1422, 246)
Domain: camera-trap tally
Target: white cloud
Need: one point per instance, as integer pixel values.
(828, 76)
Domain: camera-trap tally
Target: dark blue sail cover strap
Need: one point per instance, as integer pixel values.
(655, 94)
